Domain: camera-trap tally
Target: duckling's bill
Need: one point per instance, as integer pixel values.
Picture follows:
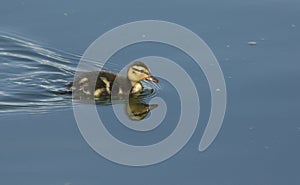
(152, 79)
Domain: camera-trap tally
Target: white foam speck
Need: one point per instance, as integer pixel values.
(252, 43)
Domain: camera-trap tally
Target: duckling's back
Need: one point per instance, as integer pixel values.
(100, 84)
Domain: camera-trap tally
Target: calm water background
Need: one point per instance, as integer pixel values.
(259, 140)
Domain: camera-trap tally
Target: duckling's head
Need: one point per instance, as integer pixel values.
(138, 71)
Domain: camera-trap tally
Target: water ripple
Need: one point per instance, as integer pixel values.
(30, 74)
(33, 78)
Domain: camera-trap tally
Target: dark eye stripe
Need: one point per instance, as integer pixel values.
(141, 71)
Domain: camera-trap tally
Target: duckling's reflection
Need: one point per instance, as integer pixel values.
(137, 109)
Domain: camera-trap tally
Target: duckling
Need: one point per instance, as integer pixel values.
(106, 83)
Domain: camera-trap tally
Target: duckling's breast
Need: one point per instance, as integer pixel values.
(137, 88)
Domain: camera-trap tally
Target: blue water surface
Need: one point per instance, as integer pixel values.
(40, 46)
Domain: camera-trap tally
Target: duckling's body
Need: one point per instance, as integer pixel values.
(101, 84)
(106, 83)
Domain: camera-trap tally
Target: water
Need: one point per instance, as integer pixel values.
(258, 143)
(31, 76)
